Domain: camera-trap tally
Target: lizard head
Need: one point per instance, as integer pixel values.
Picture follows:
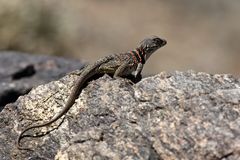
(150, 45)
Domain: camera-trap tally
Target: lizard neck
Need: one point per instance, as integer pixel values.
(138, 55)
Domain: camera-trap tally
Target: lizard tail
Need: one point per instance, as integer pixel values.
(88, 72)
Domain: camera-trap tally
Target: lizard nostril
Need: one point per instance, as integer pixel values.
(164, 42)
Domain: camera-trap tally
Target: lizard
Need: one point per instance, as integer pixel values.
(118, 65)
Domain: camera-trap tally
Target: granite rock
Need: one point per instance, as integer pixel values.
(179, 115)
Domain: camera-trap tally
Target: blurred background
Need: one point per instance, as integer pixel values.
(202, 35)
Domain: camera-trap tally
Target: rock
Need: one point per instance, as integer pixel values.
(180, 115)
(19, 72)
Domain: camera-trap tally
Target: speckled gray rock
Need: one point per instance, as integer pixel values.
(180, 115)
(20, 72)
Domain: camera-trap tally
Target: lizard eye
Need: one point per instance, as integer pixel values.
(149, 49)
(154, 45)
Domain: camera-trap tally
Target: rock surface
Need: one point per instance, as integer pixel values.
(180, 115)
(19, 72)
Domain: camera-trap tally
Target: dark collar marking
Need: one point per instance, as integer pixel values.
(141, 54)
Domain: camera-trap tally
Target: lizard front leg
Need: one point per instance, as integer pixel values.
(138, 71)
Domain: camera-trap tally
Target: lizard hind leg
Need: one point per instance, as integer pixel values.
(120, 71)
